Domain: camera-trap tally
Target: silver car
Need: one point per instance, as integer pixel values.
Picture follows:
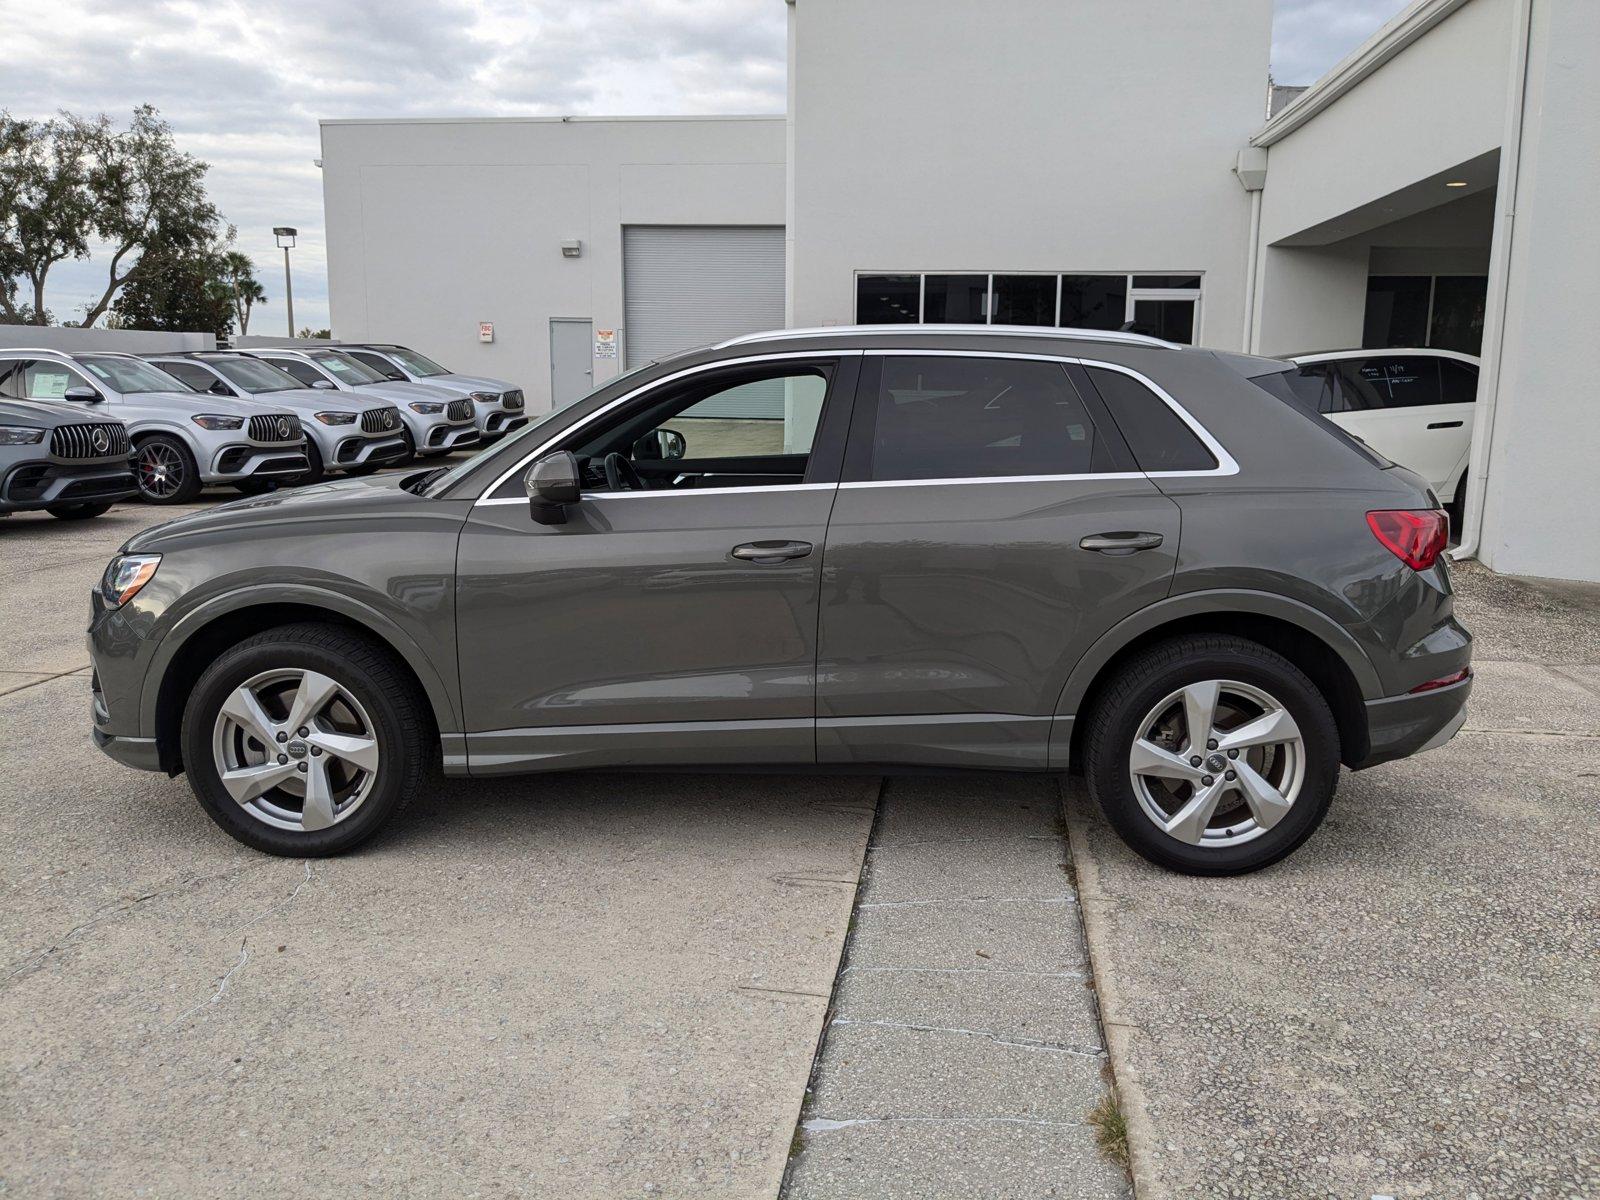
(437, 420)
(350, 432)
(499, 405)
(181, 440)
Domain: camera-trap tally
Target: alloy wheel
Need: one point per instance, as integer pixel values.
(1217, 763)
(161, 470)
(295, 749)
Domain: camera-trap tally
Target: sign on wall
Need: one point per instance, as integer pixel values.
(605, 343)
(486, 331)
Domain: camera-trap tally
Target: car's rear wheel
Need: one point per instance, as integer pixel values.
(1212, 755)
(80, 510)
(304, 740)
(165, 470)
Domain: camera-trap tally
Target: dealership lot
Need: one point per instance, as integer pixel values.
(614, 984)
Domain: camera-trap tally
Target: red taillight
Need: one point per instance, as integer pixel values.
(1415, 537)
(1443, 681)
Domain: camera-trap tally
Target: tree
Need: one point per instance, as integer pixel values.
(309, 332)
(46, 208)
(240, 274)
(148, 194)
(178, 289)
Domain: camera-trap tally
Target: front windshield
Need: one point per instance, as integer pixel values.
(131, 376)
(347, 369)
(253, 375)
(520, 441)
(417, 364)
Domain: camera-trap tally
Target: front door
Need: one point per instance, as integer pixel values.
(571, 360)
(673, 616)
(992, 524)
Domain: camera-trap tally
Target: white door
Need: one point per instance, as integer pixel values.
(1413, 408)
(571, 360)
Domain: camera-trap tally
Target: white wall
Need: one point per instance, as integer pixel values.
(434, 226)
(1543, 487)
(128, 341)
(1092, 136)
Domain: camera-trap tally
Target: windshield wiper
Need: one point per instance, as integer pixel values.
(418, 484)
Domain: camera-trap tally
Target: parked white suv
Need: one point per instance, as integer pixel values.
(182, 440)
(1413, 406)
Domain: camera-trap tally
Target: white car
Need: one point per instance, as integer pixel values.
(1414, 406)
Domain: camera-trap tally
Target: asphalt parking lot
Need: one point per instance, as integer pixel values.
(615, 985)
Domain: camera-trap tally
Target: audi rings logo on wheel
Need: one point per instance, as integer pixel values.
(101, 440)
(283, 429)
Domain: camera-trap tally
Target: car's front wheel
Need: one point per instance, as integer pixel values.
(305, 739)
(165, 470)
(1212, 755)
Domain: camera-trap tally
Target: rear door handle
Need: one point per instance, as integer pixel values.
(767, 553)
(1445, 424)
(1120, 543)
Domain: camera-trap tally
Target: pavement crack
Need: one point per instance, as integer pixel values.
(971, 900)
(974, 971)
(281, 905)
(828, 1125)
(222, 984)
(1570, 733)
(1020, 1043)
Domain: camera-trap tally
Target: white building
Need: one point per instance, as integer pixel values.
(1035, 162)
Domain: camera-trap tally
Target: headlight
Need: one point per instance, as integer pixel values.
(19, 435)
(430, 407)
(126, 575)
(486, 397)
(336, 418)
(214, 421)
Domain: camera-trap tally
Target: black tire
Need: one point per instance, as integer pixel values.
(1457, 508)
(316, 470)
(1156, 673)
(402, 724)
(181, 485)
(80, 511)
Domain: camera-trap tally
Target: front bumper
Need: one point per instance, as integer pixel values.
(1399, 726)
(245, 460)
(359, 451)
(44, 483)
(444, 438)
(495, 423)
(136, 752)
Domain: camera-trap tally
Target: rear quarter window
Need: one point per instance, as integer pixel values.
(1158, 437)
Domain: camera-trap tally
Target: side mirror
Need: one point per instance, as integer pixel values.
(323, 384)
(394, 376)
(659, 444)
(82, 394)
(552, 483)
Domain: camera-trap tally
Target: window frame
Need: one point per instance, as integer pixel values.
(1132, 294)
(858, 456)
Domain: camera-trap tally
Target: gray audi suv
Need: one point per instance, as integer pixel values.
(873, 549)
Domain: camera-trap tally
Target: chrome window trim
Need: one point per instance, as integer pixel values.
(1067, 333)
(785, 356)
(1226, 465)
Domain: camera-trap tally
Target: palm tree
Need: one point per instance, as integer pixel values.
(240, 275)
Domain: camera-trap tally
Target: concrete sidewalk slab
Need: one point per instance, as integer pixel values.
(560, 986)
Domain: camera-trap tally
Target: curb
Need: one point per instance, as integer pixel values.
(1094, 908)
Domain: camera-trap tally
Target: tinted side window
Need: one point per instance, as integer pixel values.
(11, 378)
(200, 379)
(1408, 381)
(1458, 381)
(304, 372)
(1158, 437)
(958, 418)
(378, 363)
(44, 380)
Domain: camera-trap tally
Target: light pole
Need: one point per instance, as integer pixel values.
(286, 235)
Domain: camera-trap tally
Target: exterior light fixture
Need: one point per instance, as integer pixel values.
(572, 248)
(286, 235)
(1456, 183)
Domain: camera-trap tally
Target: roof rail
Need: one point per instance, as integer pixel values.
(1082, 335)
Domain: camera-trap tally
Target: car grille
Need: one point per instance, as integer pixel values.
(512, 400)
(95, 439)
(275, 427)
(460, 410)
(380, 420)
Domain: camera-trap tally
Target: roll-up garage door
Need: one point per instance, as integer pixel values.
(687, 286)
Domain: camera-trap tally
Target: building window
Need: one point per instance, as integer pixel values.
(1443, 311)
(1166, 306)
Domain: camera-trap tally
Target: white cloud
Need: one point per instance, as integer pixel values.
(244, 82)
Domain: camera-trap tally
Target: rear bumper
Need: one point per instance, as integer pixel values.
(1399, 726)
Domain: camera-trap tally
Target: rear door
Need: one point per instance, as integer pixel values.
(991, 524)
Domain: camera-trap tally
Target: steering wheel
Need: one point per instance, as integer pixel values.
(620, 475)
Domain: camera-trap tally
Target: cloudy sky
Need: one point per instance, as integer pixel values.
(244, 83)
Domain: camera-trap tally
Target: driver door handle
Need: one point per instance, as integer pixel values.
(767, 553)
(1121, 543)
